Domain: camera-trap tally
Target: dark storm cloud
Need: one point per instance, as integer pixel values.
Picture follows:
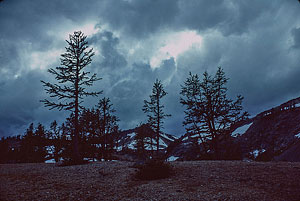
(139, 18)
(108, 44)
(142, 18)
(201, 15)
(9, 66)
(296, 37)
(20, 103)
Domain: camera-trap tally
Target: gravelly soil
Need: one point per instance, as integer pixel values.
(198, 180)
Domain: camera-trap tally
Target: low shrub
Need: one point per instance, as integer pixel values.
(70, 162)
(154, 169)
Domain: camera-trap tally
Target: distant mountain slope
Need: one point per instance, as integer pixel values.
(127, 140)
(274, 132)
(271, 135)
(292, 154)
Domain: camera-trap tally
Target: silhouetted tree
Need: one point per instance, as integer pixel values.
(143, 134)
(209, 113)
(56, 140)
(40, 143)
(4, 150)
(191, 92)
(107, 125)
(33, 145)
(27, 145)
(88, 125)
(154, 109)
(10, 149)
(72, 80)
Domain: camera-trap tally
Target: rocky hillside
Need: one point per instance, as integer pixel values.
(271, 135)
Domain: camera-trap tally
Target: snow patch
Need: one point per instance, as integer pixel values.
(131, 135)
(162, 143)
(50, 149)
(169, 138)
(172, 158)
(132, 145)
(90, 159)
(50, 161)
(241, 130)
(185, 138)
(256, 152)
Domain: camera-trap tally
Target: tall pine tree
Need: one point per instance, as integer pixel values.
(72, 82)
(154, 109)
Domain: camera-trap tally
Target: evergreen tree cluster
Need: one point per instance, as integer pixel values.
(97, 131)
(92, 132)
(209, 113)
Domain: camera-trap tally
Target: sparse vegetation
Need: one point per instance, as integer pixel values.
(194, 180)
(154, 169)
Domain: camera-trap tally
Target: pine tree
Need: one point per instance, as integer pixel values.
(33, 145)
(192, 99)
(55, 140)
(89, 122)
(209, 112)
(28, 145)
(154, 109)
(72, 82)
(40, 143)
(107, 125)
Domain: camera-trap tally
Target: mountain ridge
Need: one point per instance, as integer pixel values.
(273, 134)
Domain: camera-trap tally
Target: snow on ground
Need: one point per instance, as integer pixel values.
(185, 138)
(298, 135)
(241, 130)
(162, 143)
(90, 159)
(119, 148)
(172, 158)
(169, 138)
(50, 149)
(256, 152)
(50, 161)
(131, 135)
(132, 145)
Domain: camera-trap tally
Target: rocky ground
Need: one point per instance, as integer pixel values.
(198, 180)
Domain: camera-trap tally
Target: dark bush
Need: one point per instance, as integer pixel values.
(154, 169)
(265, 156)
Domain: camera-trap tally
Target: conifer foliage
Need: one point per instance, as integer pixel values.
(209, 112)
(154, 109)
(72, 81)
(107, 125)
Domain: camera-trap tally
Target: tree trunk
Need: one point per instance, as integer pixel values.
(76, 133)
(158, 126)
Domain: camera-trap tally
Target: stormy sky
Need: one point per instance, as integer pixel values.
(257, 43)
